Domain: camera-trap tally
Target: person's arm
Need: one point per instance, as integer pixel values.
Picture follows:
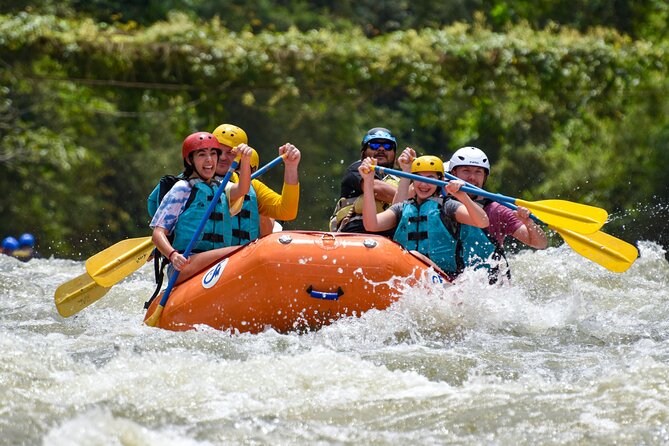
(266, 225)
(529, 232)
(404, 161)
(165, 220)
(238, 190)
(470, 213)
(370, 219)
(159, 238)
(281, 207)
(383, 191)
(291, 161)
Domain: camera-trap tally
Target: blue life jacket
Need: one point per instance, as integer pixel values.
(482, 250)
(189, 220)
(421, 228)
(245, 226)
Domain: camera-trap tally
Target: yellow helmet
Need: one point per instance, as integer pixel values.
(428, 163)
(255, 159)
(230, 135)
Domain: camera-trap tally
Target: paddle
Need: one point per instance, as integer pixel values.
(577, 217)
(75, 295)
(600, 247)
(108, 267)
(153, 319)
(612, 253)
(119, 261)
(606, 250)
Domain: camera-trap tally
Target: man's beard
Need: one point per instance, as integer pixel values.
(385, 162)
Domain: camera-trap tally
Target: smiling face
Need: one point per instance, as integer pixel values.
(425, 190)
(471, 174)
(204, 162)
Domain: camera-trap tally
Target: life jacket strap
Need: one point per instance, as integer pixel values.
(242, 235)
(214, 238)
(416, 236)
(418, 219)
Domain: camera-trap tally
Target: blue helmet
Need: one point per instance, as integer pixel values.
(27, 240)
(10, 243)
(378, 133)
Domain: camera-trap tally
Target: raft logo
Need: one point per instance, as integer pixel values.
(214, 273)
(436, 278)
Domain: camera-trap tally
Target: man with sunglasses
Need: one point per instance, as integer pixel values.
(380, 144)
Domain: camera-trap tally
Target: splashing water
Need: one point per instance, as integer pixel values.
(569, 353)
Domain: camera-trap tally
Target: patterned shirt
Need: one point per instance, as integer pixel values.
(171, 207)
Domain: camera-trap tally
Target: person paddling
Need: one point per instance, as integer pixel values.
(484, 247)
(174, 223)
(427, 223)
(379, 144)
(254, 216)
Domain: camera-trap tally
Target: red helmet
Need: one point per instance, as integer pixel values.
(199, 140)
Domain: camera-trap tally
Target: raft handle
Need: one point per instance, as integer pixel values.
(324, 294)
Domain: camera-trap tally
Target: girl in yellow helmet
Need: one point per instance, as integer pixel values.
(427, 223)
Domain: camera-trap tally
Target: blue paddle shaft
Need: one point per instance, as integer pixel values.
(510, 205)
(469, 188)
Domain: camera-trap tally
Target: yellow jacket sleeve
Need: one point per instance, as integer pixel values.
(281, 207)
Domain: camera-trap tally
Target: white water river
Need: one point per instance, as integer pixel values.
(568, 354)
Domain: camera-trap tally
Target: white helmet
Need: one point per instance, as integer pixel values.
(469, 156)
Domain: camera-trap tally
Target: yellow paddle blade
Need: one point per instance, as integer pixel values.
(75, 295)
(606, 250)
(576, 217)
(117, 262)
(152, 321)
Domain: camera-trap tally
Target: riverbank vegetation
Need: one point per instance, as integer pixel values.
(96, 97)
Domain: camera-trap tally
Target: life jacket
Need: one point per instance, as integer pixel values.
(245, 226)
(191, 217)
(422, 228)
(155, 198)
(481, 250)
(349, 209)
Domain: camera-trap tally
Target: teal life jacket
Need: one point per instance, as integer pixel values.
(245, 226)
(191, 217)
(481, 250)
(422, 228)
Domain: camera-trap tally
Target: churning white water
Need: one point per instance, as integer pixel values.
(568, 354)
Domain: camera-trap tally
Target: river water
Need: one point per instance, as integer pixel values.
(568, 354)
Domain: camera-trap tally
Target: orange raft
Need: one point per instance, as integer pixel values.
(294, 280)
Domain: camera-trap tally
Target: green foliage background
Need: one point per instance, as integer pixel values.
(96, 97)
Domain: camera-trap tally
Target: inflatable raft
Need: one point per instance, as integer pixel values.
(294, 280)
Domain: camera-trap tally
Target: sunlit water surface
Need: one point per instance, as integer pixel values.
(568, 354)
